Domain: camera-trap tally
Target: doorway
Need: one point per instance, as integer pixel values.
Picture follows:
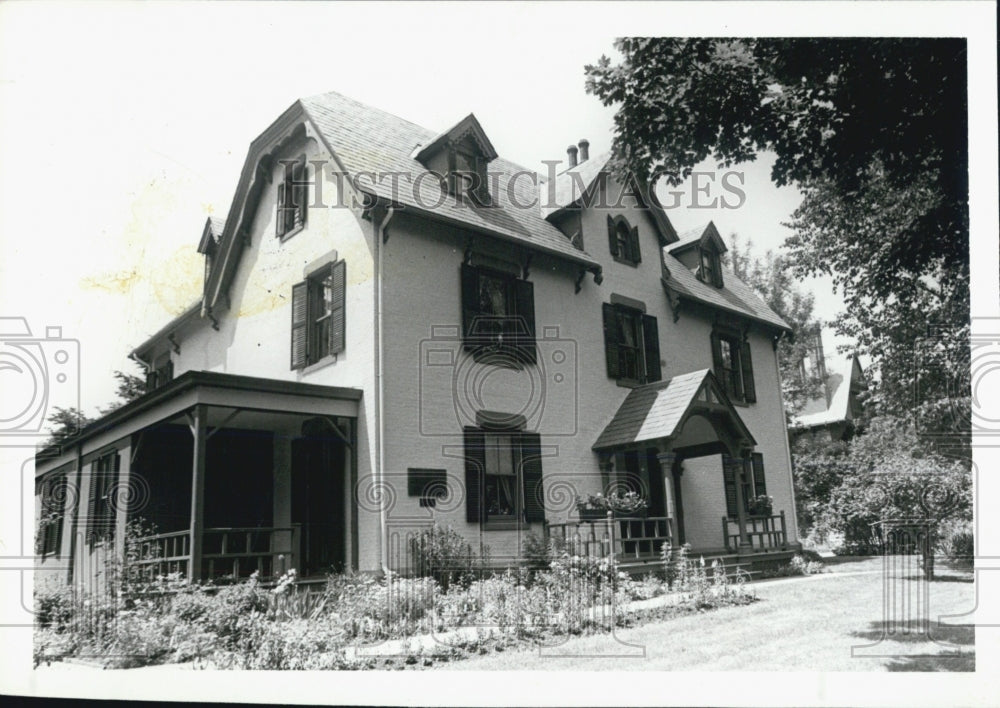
(318, 499)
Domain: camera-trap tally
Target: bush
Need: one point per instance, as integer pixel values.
(445, 555)
(957, 543)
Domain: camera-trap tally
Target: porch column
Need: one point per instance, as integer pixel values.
(667, 460)
(737, 466)
(197, 493)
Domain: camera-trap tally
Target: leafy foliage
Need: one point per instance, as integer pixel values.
(873, 132)
(130, 388)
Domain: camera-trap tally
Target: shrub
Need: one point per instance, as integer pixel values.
(957, 543)
(445, 555)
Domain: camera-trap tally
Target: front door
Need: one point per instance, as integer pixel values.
(318, 502)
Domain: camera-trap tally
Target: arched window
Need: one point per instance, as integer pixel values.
(623, 240)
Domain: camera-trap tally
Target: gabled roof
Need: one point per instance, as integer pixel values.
(571, 186)
(366, 139)
(467, 127)
(846, 374)
(735, 296)
(658, 410)
(211, 234)
(704, 234)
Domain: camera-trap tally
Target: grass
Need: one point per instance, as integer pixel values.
(800, 624)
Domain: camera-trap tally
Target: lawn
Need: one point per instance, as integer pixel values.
(799, 624)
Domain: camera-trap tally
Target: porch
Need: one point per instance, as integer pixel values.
(224, 475)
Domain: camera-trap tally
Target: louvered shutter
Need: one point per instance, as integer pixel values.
(92, 495)
(759, 484)
(611, 341)
(279, 222)
(111, 496)
(531, 476)
(301, 192)
(717, 361)
(612, 237)
(170, 370)
(524, 304)
(729, 483)
(300, 324)
(475, 467)
(749, 390)
(470, 303)
(651, 341)
(150, 379)
(634, 244)
(337, 315)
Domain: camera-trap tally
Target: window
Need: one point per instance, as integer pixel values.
(467, 177)
(753, 481)
(101, 500)
(631, 344)
(318, 326)
(498, 316)
(710, 270)
(52, 493)
(503, 476)
(293, 198)
(623, 240)
(733, 368)
(160, 373)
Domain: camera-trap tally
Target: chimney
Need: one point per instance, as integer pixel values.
(571, 151)
(584, 150)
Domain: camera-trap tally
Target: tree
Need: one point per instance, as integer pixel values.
(130, 387)
(770, 279)
(65, 423)
(873, 132)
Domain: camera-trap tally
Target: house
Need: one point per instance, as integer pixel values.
(399, 327)
(833, 412)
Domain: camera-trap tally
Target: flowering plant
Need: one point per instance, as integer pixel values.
(761, 505)
(625, 502)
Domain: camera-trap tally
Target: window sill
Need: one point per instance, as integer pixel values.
(505, 525)
(288, 234)
(321, 364)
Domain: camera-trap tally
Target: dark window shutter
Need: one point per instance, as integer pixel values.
(634, 243)
(337, 315)
(749, 390)
(470, 302)
(717, 360)
(170, 370)
(611, 340)
(475, 466)
(279, 223)
(531, 477)
(651, 337)
(729, 482)
(524, 304)
(759, 485)
(92, 495)
(150, 379)
(111, 496)
(612, 237)
(301, 192)
(300, 323)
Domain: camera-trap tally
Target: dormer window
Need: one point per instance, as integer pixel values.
(710, 270)
(293, 198)
(467, 176)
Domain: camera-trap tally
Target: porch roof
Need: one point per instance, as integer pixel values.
(658, 410)
(201, 387)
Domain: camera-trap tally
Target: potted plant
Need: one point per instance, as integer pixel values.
(597, 506)
(761, 505)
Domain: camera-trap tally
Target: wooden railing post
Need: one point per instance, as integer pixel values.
(738, 464)
(784, 531)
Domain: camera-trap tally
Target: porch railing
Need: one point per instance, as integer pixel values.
(765, 533)
(629, 538)
(226, 552)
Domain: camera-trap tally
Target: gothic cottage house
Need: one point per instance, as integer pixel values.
(399, 327)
